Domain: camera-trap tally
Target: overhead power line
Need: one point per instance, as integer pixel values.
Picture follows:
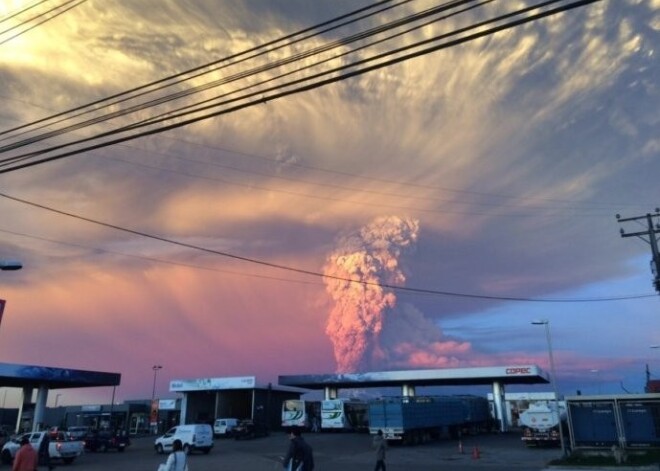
(21, 11)
(41, 17)
(296, 86)
(241, 75)
(562, 208)
(187, 115)
(291, 269)
(160, 260)
(559, 207)
(199, 71)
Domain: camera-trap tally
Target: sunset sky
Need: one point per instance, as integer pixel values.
(483, 178)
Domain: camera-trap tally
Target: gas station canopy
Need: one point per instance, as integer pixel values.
(31, 376)
(515, 374)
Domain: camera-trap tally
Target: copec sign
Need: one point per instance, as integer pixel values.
(518, 370)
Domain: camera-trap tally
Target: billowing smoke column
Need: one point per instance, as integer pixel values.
(356, 320)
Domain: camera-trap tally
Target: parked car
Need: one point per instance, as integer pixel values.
(104, 440)
(77, 432)
(192, 436)
(53, 431)
(224, 427)
(249, 429)
(5, 436)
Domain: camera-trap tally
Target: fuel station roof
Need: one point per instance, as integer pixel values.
(32, 376)
(515, 374)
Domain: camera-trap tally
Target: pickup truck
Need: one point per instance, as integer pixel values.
(59, 448)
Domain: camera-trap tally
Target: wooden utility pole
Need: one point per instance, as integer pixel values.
(650, 236)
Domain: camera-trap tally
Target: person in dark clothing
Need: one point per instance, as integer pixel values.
(300, 456)
(380, 445)
(44, 452)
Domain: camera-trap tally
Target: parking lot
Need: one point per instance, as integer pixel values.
(342, 452)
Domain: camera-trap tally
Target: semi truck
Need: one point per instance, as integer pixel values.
(417, 419)
(540, 424)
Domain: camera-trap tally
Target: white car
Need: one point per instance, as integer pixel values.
(224, 427)
(193, 437)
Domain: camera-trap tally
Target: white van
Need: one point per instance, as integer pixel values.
(193, 437)
(224, 427)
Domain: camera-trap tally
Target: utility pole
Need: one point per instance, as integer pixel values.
(650, 237)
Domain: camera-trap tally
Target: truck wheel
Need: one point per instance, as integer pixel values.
(6, 457)
(159, 449)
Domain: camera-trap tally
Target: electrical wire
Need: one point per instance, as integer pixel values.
(278, 266)
(316, 196)
(238, 76)
(300, 86)
(295, 86)
(296, 57)
(176, 79)
(160, 260)
(61, 12)
(20, 12)
(565, 205)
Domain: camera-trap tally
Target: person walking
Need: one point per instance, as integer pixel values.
(177, 460)
(300, 456)
(380, 445)
(44, 452)
(26, 458)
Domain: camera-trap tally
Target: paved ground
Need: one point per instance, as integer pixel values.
(341, 452)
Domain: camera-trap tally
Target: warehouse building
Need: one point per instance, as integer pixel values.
(205, 399)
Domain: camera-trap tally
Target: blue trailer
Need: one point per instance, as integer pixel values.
(417, 419)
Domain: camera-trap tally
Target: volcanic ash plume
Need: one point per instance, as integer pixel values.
(356, 320)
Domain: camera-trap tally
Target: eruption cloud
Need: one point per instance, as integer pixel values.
(371, 256)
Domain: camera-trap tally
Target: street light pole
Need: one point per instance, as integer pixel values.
(546, 323)
(153, 407)
(153, 391)
(597, 373)
(648, 372)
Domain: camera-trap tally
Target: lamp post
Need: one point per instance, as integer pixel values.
(153, 391)
(597, 373)
(648, 372)
(154, 408)
(546, 323)
(4, 398)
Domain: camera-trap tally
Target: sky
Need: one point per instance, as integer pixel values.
(482, 178)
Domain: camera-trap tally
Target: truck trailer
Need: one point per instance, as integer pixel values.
(417, 419)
